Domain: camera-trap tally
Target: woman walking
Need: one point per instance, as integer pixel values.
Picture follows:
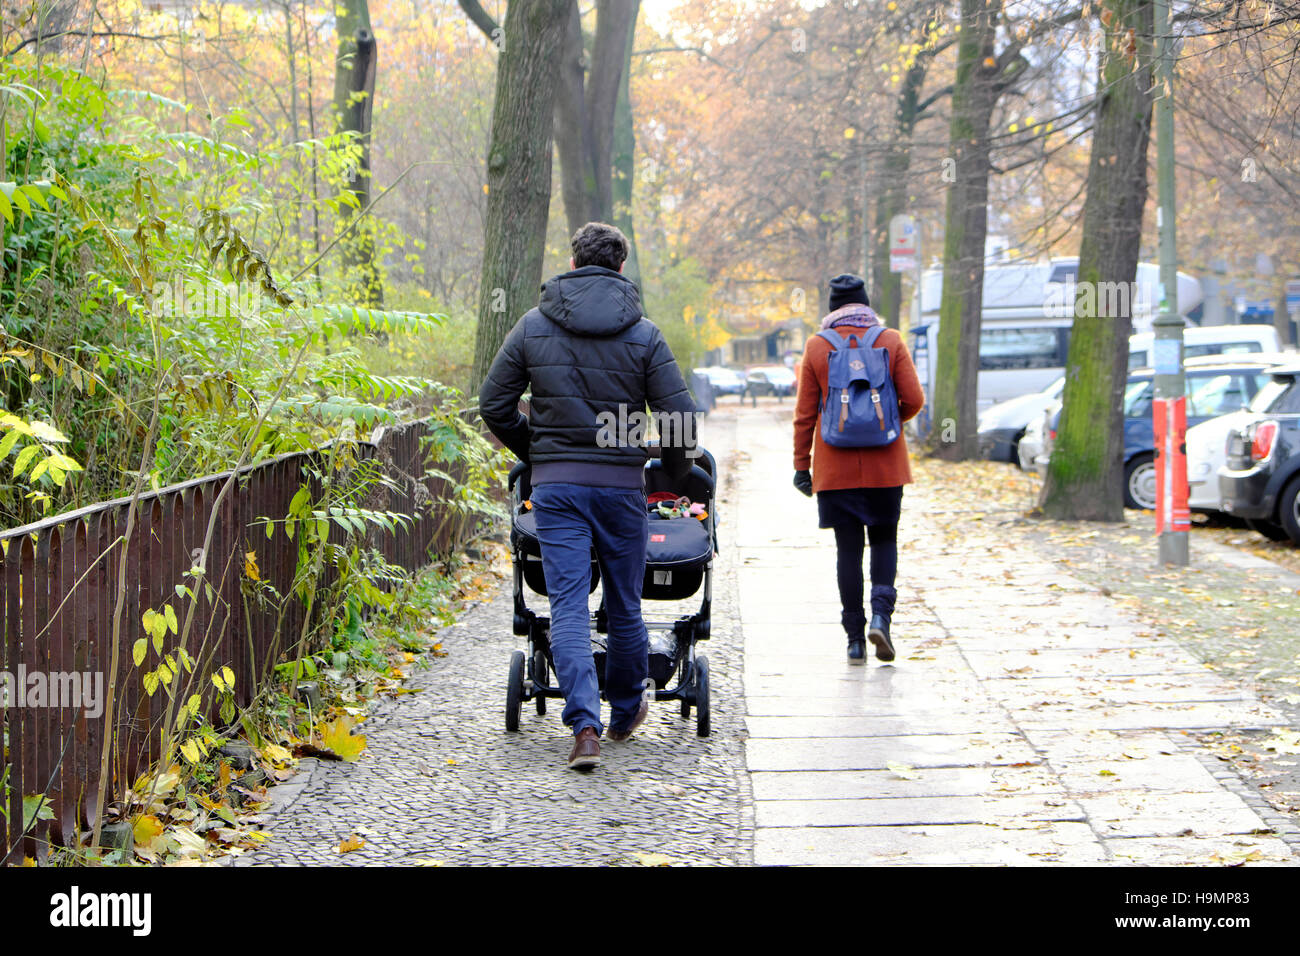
(859, 490)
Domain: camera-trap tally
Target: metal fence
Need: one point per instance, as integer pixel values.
(59, 585)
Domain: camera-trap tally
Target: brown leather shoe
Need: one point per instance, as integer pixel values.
(586, 750)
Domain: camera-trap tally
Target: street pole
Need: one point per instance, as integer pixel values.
(1173, 520)
(916, 294)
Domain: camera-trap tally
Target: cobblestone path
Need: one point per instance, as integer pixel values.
(442, 780)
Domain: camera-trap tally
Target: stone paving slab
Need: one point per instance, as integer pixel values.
(764, 662)
(955, 845)
(886, 784)
(864, 725)
(1201, 851)
(978, 712)
(1167, 659)
(1205, 716)
(925, 690)
(876, 753)
(917, 811)
(1176, 773)
(1189, 687)
(1140, 813)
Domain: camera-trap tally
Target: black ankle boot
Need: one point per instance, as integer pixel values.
(879, 634)
(857, 650)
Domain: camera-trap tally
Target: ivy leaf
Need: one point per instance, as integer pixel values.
(138, 650)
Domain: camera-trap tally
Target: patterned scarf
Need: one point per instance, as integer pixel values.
(855, 314)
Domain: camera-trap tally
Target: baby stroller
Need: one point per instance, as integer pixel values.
(679, 563)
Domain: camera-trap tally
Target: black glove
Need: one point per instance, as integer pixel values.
(803, 481)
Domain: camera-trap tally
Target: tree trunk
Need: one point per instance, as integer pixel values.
(1281, 317)
(354, 99)
(586, 109)
(1085, 477)
(887, 286)
(615, 24)
(577, 180)
(518, 172)
(624, 155)
(975, 93)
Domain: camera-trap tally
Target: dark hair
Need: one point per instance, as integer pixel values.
(599, 244)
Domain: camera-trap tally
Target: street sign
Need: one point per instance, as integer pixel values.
(1293, 295)
(904, 249)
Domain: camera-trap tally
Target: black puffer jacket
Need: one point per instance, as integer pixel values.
(585, 351)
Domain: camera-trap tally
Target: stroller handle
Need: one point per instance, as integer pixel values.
(522, 468)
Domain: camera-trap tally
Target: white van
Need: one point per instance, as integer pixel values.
(1025, 327)
(1209, 340)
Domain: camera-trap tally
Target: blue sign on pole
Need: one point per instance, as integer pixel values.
(1293, 295)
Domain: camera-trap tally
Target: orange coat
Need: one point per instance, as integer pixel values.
(883, 467)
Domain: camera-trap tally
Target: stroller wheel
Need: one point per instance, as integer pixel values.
(686, 707)
(539, 677)
(515, 690)
(703, 710)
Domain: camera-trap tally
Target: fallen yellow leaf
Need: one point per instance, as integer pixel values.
(353, 842)
(337, 736)
(147, 829)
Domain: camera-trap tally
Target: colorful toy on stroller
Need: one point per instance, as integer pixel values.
(679, 563)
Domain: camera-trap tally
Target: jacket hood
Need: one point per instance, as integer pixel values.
(592, 300)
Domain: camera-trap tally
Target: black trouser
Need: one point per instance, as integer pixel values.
(850, 539)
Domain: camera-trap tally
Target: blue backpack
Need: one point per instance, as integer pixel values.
(861, 406)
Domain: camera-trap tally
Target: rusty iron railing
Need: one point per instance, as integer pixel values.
(58, 591)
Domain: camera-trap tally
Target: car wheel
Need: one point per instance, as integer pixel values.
(1274, 532)
(1288, 510)
(1140, 482)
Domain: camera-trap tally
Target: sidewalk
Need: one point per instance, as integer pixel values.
(1028, 719)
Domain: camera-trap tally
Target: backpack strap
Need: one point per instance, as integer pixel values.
(867, 340)
(833, 337)
(873, 333)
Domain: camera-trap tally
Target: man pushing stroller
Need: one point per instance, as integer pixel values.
(590, 356)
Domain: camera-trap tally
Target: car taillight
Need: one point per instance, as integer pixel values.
(1263, 438)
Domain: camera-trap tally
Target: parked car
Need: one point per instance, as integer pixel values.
(1206, 442)
(1002, 426)
(702, 390)
(770, 380)
(1215, 385)
(725, 381)
(1260, 479)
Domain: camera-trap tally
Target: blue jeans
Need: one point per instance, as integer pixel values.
(570, 519)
